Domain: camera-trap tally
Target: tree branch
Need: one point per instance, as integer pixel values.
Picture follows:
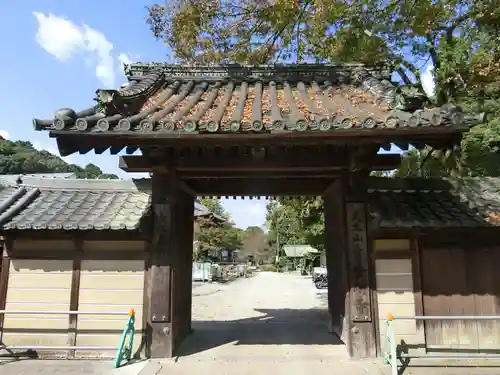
(404, 76)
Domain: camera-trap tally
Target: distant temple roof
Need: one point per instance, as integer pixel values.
(298, 251)
(164, 98)
(76, 204)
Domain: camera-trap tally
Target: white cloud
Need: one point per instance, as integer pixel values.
(124, 58)
(4, 134)
(53, 150)
(427, 78)
(65, 40)
(246, 212)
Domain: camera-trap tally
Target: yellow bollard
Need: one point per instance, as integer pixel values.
(390, 317)
(131, 312)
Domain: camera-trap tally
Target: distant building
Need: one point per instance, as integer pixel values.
(296, 255)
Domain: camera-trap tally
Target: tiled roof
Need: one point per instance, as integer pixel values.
(70, 204)
(11, 179)
(435, 203)
(164, 98)
(75, 204)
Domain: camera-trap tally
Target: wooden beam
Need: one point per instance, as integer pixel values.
(251, 176)
(260, 187)
(139, 138)
(73, 141)
(193, 166)
(90, 235)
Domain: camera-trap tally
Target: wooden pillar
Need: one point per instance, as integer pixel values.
(182, 276)
(169, 275)
(336, 259)
(75, 296)
(4, 279)
(347, 251)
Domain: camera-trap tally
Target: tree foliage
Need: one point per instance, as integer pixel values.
(255, 244)
(215, 206)
(225, 236)
(459, 38)
(221, 237)
(295, 221)
(20, 157)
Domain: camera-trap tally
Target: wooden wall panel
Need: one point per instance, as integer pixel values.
(461, 281)
(113, 246)
(395, 295)
(486, 288)
(36, 285)
(446, 291)
(391, 245)
(43, 245)
(109, 286)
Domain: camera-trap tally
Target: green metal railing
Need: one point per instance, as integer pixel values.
(390, 345)
(123, 351)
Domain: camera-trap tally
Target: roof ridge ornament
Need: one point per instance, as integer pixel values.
(243, 71)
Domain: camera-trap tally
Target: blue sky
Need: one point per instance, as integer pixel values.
(57, 53)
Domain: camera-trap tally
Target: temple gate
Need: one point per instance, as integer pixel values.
(297, 130)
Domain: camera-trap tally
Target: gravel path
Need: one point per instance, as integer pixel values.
(268, 316)
(269, 322)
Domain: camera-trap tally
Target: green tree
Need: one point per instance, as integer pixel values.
(459, 37)
(295, 221)
(417, 163)
(255, 243)
(215, 206)
(225, 236)
(20, 157)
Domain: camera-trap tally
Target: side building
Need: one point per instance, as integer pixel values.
(436, 251)
(76, 245)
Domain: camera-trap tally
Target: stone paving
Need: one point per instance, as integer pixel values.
(55, 367)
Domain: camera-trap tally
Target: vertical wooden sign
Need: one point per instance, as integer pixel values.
(360, 300)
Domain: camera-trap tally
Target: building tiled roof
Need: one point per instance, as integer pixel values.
(11, 179)
(435, 203)
(164, 98)
(76, 204)
(395, 203)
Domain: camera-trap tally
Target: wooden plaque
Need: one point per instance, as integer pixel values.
(358, 262)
